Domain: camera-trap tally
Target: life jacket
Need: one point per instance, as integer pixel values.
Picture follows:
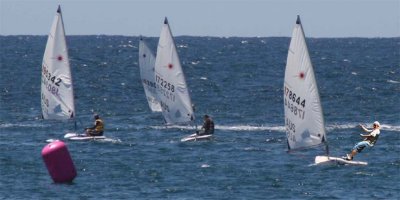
(209, 126)
(99, 125)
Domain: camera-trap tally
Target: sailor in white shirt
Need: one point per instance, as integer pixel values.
(369, 140)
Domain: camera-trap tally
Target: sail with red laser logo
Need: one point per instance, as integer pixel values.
(57, 93)
(172, 89)
(304, 119)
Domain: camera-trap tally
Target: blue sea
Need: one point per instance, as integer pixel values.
(239, 82)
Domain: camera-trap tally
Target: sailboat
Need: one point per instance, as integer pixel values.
(171, 87)
(57, 92)
(146, 65)
(304, 119)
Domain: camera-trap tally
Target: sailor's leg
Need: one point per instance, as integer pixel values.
(358, 148)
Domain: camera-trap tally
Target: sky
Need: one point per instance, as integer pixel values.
(221, 18)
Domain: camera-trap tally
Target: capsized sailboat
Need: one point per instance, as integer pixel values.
(57, 92)
(304, 120)
(146, 65)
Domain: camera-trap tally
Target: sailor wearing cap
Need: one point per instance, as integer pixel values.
(369, 139)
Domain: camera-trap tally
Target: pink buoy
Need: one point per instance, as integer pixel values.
(58, 162)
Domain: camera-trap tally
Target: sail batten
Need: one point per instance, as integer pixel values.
(303, 112)
(57, 95)
(146, 65)
(172, 90)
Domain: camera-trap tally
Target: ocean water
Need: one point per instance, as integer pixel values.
(238, 81)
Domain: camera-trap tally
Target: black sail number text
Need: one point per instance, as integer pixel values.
(50, 77)
(164, 84)
(294, 98)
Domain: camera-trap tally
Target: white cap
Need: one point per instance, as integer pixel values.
(377, 123)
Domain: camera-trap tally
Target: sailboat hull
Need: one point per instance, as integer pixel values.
(75, 136)
(336, 160)
(195, 137)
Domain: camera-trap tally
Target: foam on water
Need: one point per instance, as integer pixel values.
(111, 140)
(227, 127)
(275, 128)
(25, 125)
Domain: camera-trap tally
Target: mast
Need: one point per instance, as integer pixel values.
(298, 21)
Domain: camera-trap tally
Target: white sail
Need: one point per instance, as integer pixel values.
(171, 85)
(146, 65)
(56, 89)
(303, 112)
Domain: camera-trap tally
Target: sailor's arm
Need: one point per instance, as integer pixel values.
(93, 127)
(365, 129)
(365, 136)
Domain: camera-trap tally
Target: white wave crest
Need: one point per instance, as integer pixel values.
(390, 127)
(227, 127)
(332, 127)
(11, 125)
(276, 128)
(384, 127)
(251, 128)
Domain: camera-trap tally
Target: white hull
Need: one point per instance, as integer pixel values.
(329, 159)
(76, 136)
(195, 137)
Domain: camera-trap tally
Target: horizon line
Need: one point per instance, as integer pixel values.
(210, 36)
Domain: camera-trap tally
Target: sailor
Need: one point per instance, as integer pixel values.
(97, 129)
(208, 126)
(369, 140)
